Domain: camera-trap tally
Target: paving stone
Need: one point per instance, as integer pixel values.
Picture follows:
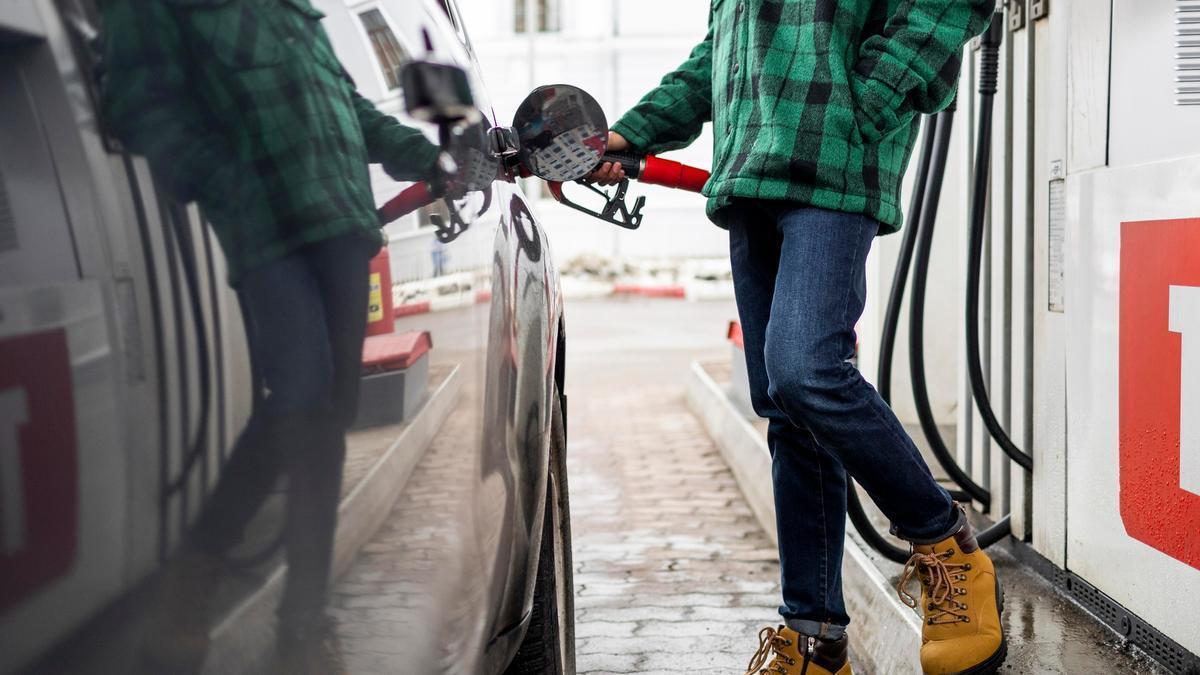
(673, 573)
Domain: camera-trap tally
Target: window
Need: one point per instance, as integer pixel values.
(536, 16)
(387, 48)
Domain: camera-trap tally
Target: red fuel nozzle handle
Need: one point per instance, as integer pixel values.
(657, 171)
(409, 200)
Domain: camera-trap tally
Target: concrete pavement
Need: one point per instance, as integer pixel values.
(673, 572)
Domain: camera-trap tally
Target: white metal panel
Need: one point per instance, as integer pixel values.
(21, 16)
(96, 573)
(1087, 24)
(1000, 305)
(39, 248)
(1021, 335)
(1147, 125)
(1099, 549)
(1049, 433)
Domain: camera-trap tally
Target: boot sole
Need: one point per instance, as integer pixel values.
(992, 663)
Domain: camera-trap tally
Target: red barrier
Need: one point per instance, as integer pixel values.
(412, 308)
(650, 291)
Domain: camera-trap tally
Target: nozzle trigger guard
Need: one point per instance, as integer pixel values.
(615, 211)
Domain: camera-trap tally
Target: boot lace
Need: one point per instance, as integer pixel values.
(940, 580)
(770, 642)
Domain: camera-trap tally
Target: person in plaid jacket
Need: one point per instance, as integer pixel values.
(815, 107)
(242, 106)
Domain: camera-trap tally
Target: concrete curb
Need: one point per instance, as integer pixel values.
(886, 635)
(243, 641)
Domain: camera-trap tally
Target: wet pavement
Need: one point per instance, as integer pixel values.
(673, 572)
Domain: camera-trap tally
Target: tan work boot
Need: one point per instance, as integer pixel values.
(961, 599)
(797, 654)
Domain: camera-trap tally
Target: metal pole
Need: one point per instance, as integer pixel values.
(614, 63)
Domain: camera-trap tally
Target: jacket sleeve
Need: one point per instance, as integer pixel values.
(913, 65)
(672, 115)
(404, 152)
(147, 104)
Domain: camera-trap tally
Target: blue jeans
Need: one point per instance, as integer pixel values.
(800, 279)
(305, 316)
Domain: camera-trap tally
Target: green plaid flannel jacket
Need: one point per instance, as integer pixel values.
(243, 106)
(812, 101)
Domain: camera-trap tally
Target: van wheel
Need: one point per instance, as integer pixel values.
(549, 644)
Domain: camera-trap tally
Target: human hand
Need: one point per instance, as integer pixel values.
(611, 173)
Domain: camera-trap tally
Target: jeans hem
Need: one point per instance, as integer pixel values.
(960, 520)
(822, 630)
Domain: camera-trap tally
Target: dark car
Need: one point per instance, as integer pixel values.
(124, 379)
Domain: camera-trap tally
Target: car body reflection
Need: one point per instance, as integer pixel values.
(446, 514)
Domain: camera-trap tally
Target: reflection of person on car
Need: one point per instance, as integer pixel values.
(814, 105)
(243, 107)
(437, 255)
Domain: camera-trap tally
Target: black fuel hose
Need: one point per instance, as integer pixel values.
(160, 364)
(931, 168)
(198, 446)
(918, 241)
(916, 322)
(866, 529)
(891, 316)
(1002, 528)
(858, 516)
(988, 81)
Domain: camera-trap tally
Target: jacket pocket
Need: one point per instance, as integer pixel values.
(234, 32)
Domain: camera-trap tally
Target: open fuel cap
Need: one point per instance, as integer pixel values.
(562, 131)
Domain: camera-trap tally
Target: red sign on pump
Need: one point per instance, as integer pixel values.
(38, 474)
(1160, 385)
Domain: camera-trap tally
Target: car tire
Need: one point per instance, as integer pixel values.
(549, 644)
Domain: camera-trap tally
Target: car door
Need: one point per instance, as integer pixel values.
(474, 271)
